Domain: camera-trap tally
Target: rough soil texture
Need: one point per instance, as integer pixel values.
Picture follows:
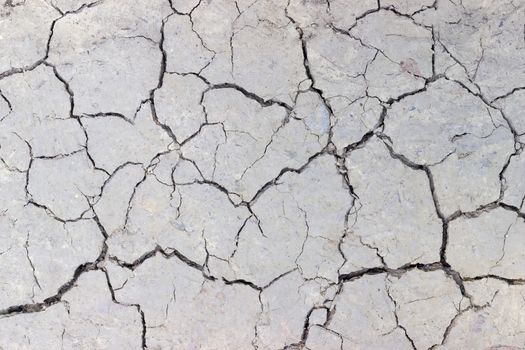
(262, 174)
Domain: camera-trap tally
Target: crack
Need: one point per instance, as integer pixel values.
(348, 277)
(35, 278)
(348, 33)
(110, 114)
(216, 151)
(509, 281)
(285, 121)
(243, 282)
(343, 171)
(510, 93)
(136, 306)
(368, 135)
(504, 243)
(238, 234)
(399, 325)
(214, 53)
(304, 335)
(28, 195)
(454, 320)
(424, 8)
(9, 105)
(284, 171)
(178, 12)
(307, 235)
(478, 63)
(444, 220)
(43, 60)
(52, 215)
(364, 14)
(113, 174)
(308, 72)
(167, 253)
(255, 329)
(64, 288)
(60, 155)
(479, 95)
(517, 147)
(72, 115)
(130, 201)
(433, 48)
(160, 83)
(512, 208)
(251, 95)
(402, 96)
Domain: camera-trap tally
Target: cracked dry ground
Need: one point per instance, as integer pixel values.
(262, 174)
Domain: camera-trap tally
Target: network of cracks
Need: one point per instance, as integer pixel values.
(262, 174)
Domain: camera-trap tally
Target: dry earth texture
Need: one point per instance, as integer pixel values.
(262, 174)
